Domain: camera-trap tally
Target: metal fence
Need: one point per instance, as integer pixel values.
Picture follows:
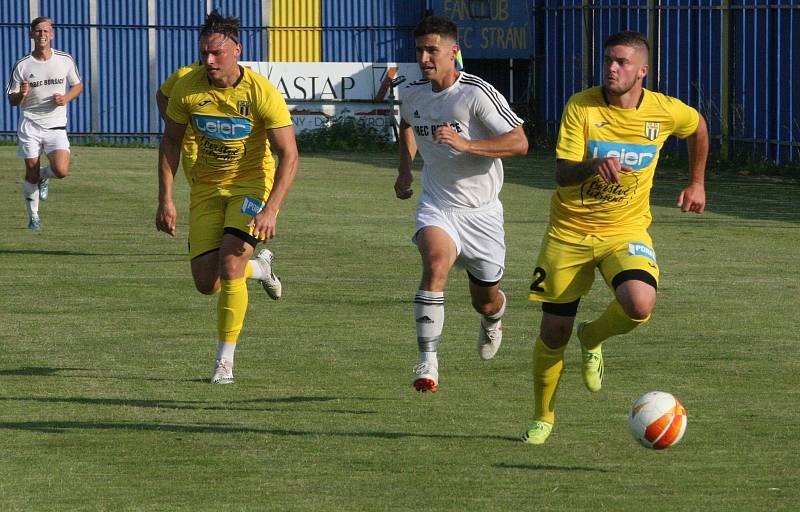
(735, 60)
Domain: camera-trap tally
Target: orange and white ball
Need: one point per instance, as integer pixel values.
(657, 420)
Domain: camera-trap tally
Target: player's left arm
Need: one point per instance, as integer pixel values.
(513, 143)
(693, 197)
(74, 92)
(282, 142)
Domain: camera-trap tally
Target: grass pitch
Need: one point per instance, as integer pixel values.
(107, 348)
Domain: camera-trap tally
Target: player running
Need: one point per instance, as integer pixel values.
(38, 85)
(239, 119)
(608, 147)
(462, 127)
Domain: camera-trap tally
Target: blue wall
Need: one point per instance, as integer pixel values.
(735, 60)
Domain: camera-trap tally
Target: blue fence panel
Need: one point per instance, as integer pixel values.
(125, 97)
(369, 30)
(252, 30)
(14, 44)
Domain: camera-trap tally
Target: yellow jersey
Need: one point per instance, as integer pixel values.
(230, 125)
(591, 128)
(189, 147)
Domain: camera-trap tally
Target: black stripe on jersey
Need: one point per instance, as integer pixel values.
(11, 76)
(74, 64)
(491, 93)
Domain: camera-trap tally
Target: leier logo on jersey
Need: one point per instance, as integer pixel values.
(635, 156)
(226, 128)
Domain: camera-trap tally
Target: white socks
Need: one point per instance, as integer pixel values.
(256, 271)
(225, 351)
(31, 193)
(429, 317)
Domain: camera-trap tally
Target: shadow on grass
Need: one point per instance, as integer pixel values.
(40, 370)
(549, 467)
(44, 252)
(63, 427)
(171, 404)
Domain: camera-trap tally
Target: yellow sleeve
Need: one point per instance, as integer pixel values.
(571, 134)
(272, 107)
(176, 108)
(685, 117)
(169, 83)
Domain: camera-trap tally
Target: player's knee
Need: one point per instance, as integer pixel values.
(555, 336)
(60, 173)
(639, 310)
(206, 286)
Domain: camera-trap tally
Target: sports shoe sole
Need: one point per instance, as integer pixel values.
(424, 384)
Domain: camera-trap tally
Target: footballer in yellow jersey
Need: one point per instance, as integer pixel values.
(239, 119)
(608, 147)
(189, 148)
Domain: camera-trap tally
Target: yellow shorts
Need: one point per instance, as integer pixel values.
(567, 260)
(214, 208)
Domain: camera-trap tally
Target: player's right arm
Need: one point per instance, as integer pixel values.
(19, 94)
(169, 152)
(570, 172)
(572, 167)
(408, 150)
(162, 100)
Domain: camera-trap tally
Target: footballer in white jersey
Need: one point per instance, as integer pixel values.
(476, 111)
(462, 127)
(42, 84)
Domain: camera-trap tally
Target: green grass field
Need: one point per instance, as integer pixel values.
(106, 349)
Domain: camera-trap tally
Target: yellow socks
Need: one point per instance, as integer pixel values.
(547, 366)
(612, 322)
(231, 308)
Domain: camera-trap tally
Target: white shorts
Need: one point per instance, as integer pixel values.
(477, 232)
(33, 139)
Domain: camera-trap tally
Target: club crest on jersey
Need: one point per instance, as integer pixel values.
(225, 128)
(651, 130)
(244, 108)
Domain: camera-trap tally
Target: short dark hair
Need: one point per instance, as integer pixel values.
(41, 19)
(628, 38)
(216, 23)
(437, 25)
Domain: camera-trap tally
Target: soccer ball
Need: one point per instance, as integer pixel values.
(657, 420)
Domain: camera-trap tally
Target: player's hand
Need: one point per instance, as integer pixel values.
(692, 198)
(402, 186)
(59, 99)
(445, 134)
(167, 218)
(24, 88)
(264, 225)
(609, 168)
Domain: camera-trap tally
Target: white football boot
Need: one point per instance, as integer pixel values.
(489, 340)
(223, 372)
(271, 283)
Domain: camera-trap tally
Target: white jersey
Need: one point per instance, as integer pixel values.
(46, 78)
(477, 112)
